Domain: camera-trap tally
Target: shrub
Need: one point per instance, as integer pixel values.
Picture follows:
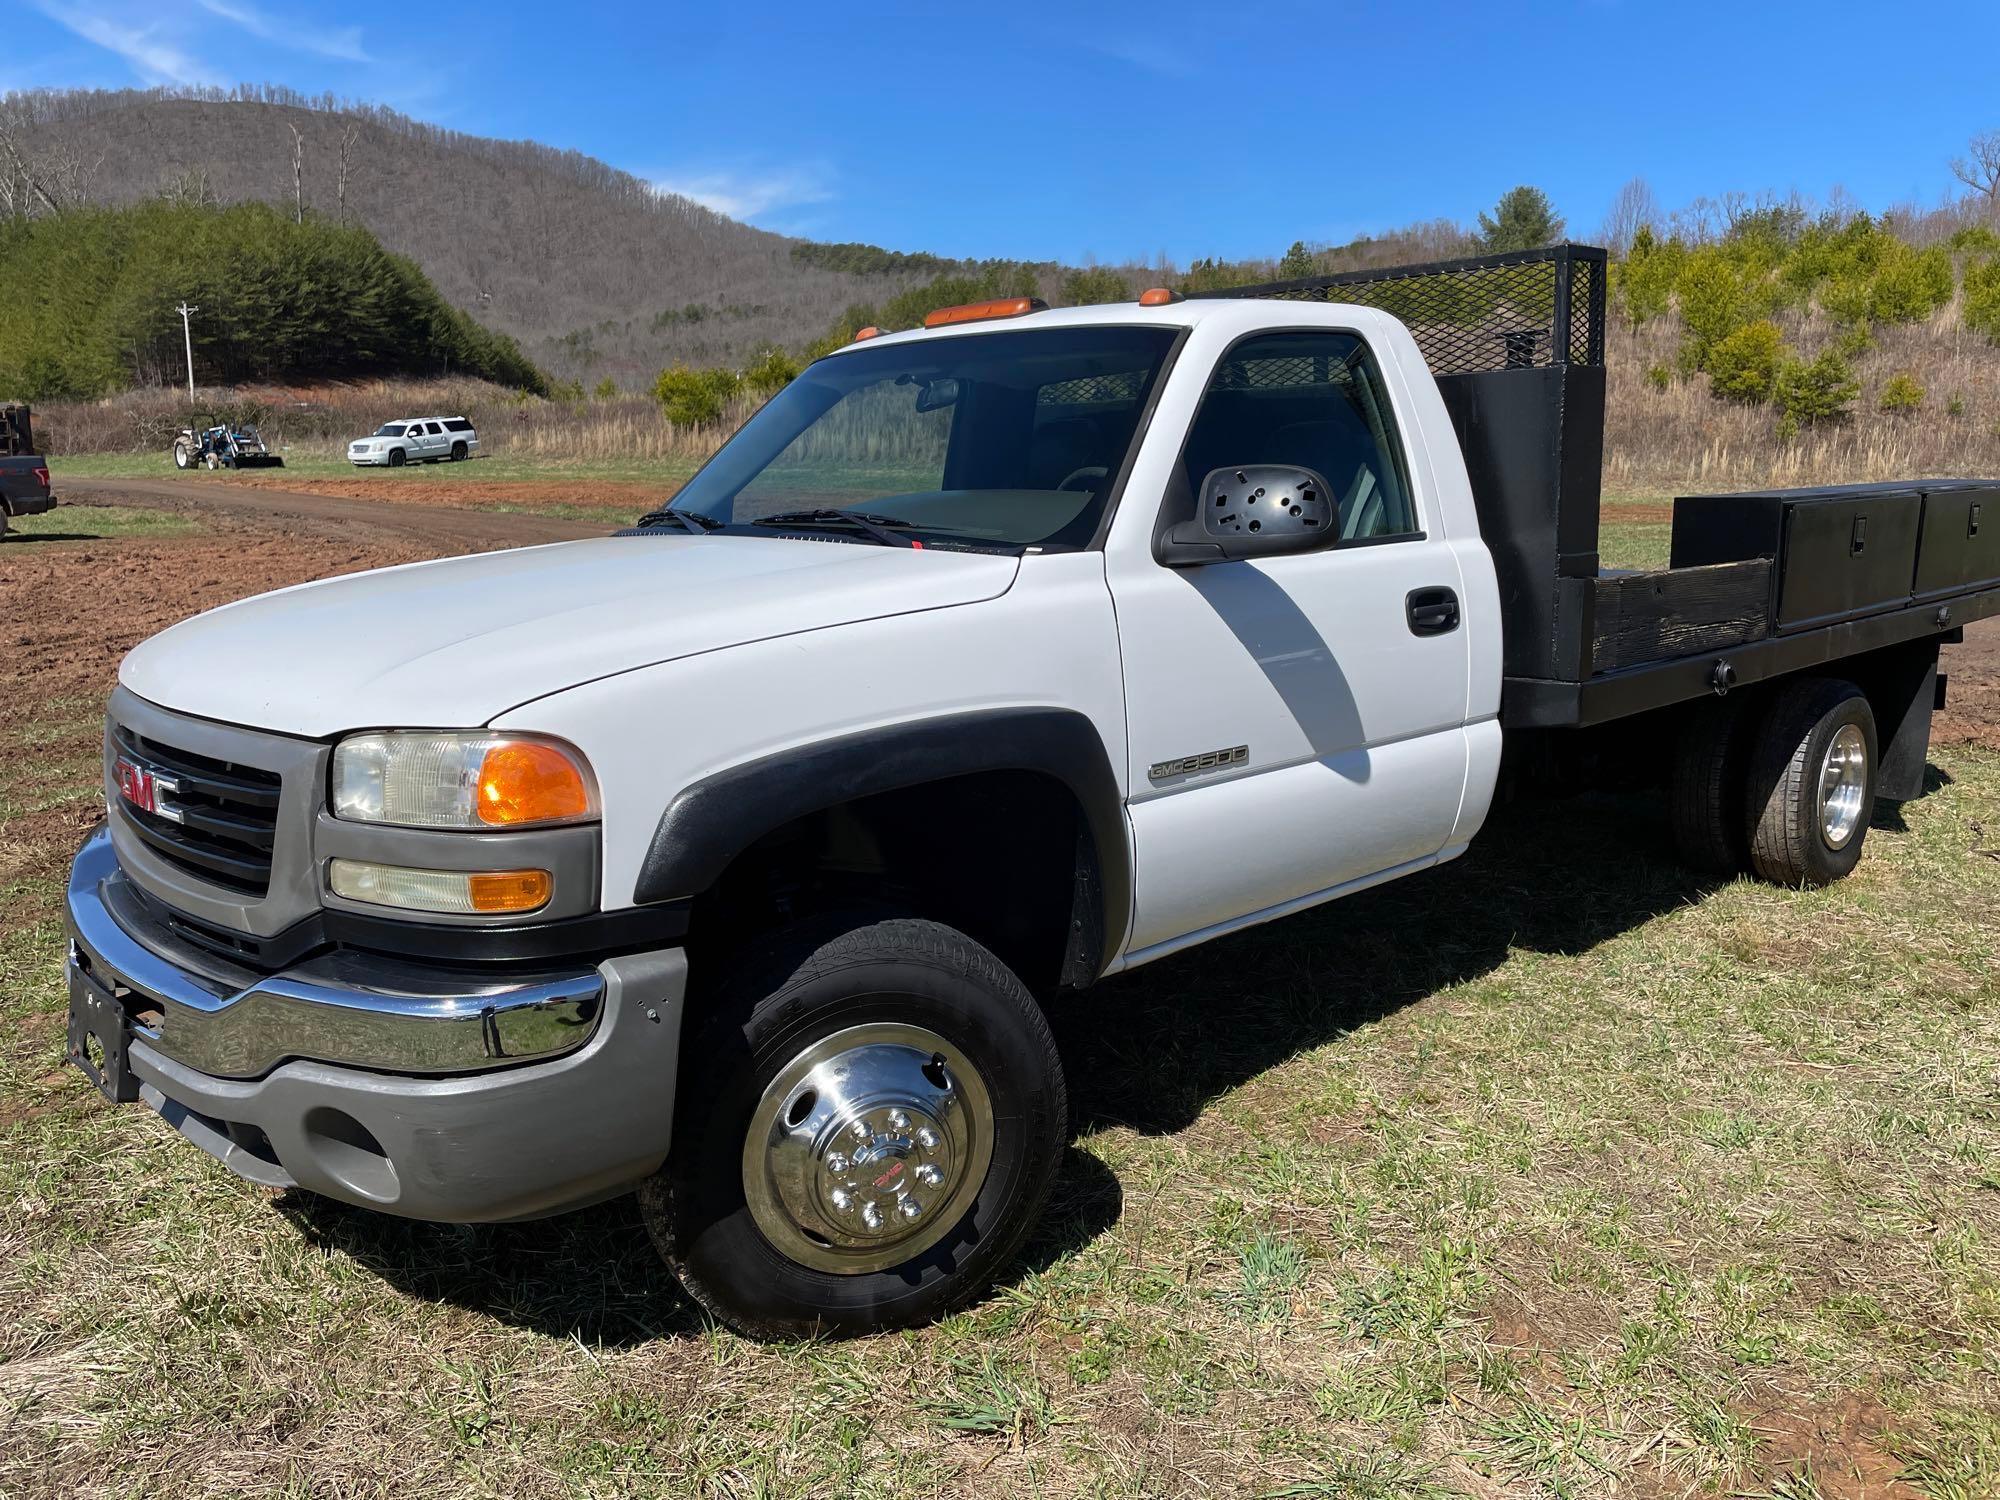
(1956, 406)
(1713, 303)
(1902, 392)
(1848, 299)
(1910, 285)
(691, 398)
(1975, 238)
(1743, 366)
(1647, 277)
(1814, 394)
(1854, 342)
(1095, 284)
(607, 389)
(771, 372)
(1982, 298)
(1660, 376)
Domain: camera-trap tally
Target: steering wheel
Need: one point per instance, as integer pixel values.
(1088, 471)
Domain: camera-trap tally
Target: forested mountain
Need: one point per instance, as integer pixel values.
(92, 303)
(592, 270)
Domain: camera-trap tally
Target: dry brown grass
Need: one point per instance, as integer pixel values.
(1683, 439)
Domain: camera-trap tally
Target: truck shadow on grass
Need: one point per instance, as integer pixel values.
(1145, 1051)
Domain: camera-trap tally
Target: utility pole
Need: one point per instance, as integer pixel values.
(187, 338)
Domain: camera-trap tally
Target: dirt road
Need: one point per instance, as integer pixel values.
(265, 507)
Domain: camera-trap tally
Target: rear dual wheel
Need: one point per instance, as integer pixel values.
(868, 1128)
(1783, 787)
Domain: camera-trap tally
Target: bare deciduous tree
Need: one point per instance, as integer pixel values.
(298, 174)
(349, 138)
(1979, 168)
(1634, 208)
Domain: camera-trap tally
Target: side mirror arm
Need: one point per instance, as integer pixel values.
(1186, 545)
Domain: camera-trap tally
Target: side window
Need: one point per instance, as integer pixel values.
(1315, 399)
(433, 429)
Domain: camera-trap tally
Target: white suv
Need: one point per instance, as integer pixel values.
(410, 440)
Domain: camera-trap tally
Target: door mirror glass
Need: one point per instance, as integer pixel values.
(1254, 510)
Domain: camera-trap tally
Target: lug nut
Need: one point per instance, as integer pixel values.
(909, 1208)
(837, 1164)
(841, 1199)
(860, 1131)
(928, 1175)
(898, 1120)
(871, 1215)
(927, 1138)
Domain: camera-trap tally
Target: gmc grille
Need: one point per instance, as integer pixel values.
(228, 814)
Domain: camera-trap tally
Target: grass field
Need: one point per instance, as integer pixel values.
(503, 468)
(1555, 1172)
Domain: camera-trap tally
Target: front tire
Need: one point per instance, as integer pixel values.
(396, 458)
(867, 1129)
(1812, 783)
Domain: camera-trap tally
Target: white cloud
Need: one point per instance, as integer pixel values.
(342, 44)
(149, 40)
(152, 55)
(746, 195)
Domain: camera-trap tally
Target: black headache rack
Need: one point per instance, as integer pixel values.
(1761, 584)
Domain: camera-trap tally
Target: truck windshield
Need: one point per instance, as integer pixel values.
(1011, 437)
(389, 429)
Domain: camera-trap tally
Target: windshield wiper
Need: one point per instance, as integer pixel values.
(692, 520)
(883, 528)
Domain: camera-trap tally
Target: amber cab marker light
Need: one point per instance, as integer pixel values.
(1159, 296)
(525, 782)
(865, 333)
(974, 312)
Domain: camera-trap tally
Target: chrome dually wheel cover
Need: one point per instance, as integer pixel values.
(1843, 785)
(867, 1147)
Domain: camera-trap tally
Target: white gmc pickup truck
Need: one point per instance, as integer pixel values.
(733, 858)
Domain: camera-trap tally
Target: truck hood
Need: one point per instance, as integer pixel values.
(453, 643)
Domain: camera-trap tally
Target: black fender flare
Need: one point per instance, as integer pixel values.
(713, 820)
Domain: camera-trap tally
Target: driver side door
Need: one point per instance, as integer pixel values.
(1296, 720)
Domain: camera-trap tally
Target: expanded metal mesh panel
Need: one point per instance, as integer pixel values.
(1274, 374)
(1494, 312)
(1124, 385)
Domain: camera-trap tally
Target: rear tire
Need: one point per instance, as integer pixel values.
(1812, 782)
(759, 1209)
(458, 453)
(1705, 801)
(183, 459)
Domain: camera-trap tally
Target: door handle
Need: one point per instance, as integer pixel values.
(1432, 611)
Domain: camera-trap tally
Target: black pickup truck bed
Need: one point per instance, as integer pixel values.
(1760, 584)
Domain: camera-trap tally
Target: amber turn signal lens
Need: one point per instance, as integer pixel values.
(523, 781)
(1158, 296)
(866, 333)
(509, 890)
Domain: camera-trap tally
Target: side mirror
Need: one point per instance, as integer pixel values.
(1253, 510)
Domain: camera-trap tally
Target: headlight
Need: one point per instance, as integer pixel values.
(421, 779)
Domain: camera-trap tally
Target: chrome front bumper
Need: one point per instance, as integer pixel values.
(341, 1008)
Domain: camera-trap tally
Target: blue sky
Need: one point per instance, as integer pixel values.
(1111, 131)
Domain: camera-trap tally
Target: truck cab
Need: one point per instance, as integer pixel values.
(736, 857)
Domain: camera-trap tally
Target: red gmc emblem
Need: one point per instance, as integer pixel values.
(142, 786)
